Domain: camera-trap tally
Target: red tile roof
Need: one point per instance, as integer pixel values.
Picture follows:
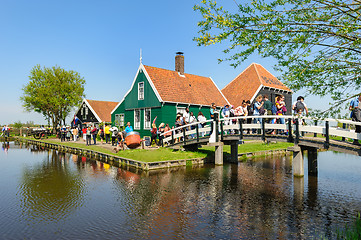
(247, 83)
(187, 88)
(102, 109)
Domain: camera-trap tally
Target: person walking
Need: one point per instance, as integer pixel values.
(299, 106)
(161, 130)
(63, 133)
(114, 131)
(267, 105)
(258, 106)
(250, 111)
(88, 136)
(101, 135)
(107, 133)
(94, 132)
(355, 115)
(84, 133)
(153, 131)
(75, 134)
(68, 133)
(281, 110)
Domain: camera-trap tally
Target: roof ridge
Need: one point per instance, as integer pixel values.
(259, 77)
(99, 100)
(176, 71)
(238, 75)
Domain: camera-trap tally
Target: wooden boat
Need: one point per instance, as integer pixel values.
(132, 140)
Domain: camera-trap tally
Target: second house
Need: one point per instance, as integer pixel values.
(161, 94)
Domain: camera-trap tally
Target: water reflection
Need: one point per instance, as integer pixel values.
(50, 190)
(5, 146)
(80, 198)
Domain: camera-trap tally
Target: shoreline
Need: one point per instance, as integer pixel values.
(104, 153)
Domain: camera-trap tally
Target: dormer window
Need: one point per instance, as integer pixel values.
(141, 91)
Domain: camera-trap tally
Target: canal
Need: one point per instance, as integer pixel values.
(51, 195)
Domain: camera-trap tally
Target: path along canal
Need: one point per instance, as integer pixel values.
(51, 195)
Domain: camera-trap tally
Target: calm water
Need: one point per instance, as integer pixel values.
(50, 195)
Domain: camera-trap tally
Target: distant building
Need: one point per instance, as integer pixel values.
(253, 81)
(94, 112)
(162, 93)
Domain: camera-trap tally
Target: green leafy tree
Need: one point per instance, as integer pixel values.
(316, 43)
(53, 92)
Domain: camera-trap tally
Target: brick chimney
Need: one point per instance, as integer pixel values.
(179, 63)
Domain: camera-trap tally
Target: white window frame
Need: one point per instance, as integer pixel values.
(181, 110)
(119, 118)
(136, 123)
(141, 91)
(147, 124)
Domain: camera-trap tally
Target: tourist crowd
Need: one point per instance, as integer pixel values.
(262, 106)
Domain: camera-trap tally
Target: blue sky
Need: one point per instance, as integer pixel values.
(101, 40)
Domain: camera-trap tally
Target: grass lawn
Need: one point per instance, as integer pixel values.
(255, 147)
(153, 155)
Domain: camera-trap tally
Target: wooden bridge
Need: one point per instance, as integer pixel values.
(306, 133)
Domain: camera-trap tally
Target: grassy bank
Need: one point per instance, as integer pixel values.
(351, 232)
(165, 154)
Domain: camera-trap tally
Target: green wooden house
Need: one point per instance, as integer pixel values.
(162, 93)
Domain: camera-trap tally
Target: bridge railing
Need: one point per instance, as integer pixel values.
(193, 130)
(293, 124)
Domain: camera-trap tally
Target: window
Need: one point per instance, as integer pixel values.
(181, 110)
(84, 111)
(137, 119)
(141, 91)
(147, 118)
(119, 120)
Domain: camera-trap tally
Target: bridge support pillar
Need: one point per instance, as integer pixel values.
(218, 153)
(234, 152)
(297, 162)
(312, 161)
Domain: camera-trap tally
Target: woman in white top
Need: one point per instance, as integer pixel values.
(241, 110)
(201, 119)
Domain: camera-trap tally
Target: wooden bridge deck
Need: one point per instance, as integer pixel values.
(304, 142)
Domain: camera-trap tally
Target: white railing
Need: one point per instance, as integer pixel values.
(186, 130)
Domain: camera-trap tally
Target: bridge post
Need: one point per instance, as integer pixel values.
(297, 133)
(240, 129)
(263, 130)
(312, 161)
(315, 134)
(197, 130)
(297, 162)
(290, 135)
(343, 127)
(216, 130)
(327, 142)
(234, 152)
(172, 137)
(222, 130)
(218, 153)
(184, 136)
